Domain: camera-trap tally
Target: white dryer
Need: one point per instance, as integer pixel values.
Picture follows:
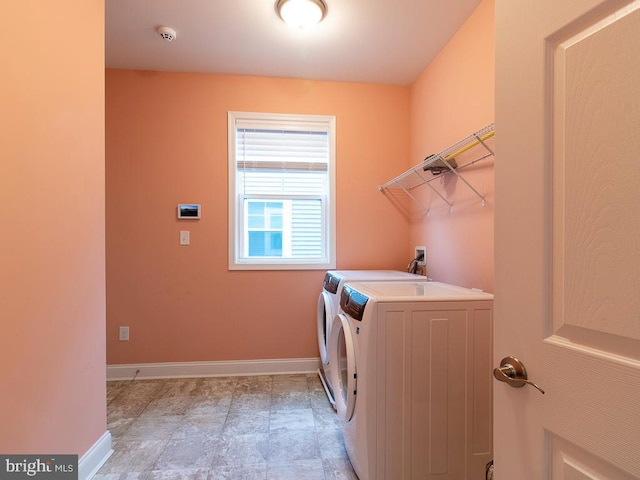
(329, 303)
(413, 387)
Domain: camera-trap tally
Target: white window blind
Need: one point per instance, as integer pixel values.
(283, 171)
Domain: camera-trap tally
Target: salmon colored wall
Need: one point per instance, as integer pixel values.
(166, 137)
(52, 255)
(453, 98)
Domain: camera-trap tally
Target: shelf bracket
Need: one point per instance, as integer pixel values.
(484, 144)
(439, 195)
(417, 202)
(455, 172)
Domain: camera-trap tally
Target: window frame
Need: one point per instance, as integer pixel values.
(236, 227)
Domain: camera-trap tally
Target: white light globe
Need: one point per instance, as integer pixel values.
(301, 14)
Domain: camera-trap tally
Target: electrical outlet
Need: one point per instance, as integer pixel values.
(421, 250)
(124, 334)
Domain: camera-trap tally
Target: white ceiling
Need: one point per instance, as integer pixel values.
(379, 41)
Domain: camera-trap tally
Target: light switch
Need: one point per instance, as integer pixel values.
(184, 237)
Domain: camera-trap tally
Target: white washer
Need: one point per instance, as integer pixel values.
(329, 304)
(413, 387)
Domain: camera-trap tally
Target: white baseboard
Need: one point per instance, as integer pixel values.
(90, 462)
(212, 369)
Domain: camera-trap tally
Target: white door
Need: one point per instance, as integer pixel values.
(567, 238)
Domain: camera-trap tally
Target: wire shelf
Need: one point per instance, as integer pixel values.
(466, 152)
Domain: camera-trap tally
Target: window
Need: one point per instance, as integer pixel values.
(281, 191)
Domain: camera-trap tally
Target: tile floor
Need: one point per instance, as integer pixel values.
(224, 428)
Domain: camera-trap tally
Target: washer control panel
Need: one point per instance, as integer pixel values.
(330, 283)
(353, 302)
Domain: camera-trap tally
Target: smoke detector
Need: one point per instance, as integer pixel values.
(169, 34)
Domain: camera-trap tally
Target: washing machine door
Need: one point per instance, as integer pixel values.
(324, 318)
(342, 353)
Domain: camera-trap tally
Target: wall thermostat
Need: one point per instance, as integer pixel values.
(190, 211)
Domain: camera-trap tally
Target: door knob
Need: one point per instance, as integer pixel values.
(512, 372)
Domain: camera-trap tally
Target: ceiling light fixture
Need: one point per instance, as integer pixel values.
(301, 14)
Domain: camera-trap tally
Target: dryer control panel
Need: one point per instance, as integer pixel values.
(353, 302)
